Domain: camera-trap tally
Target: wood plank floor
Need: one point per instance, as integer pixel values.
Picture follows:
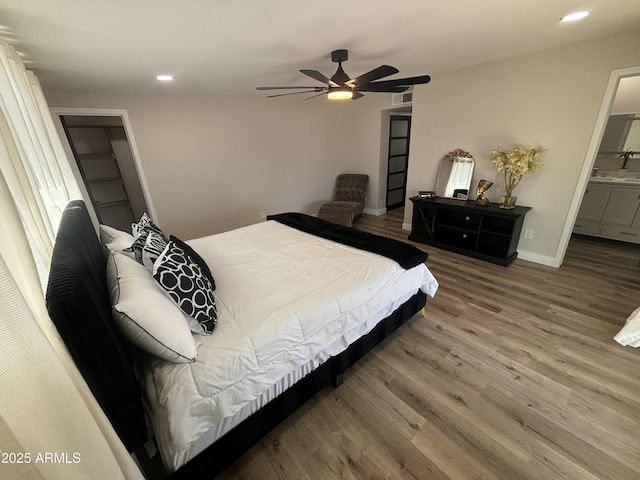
(511, 374)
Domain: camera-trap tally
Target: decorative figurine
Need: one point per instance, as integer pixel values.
(483, 186)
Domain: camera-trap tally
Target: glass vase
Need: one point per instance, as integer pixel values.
(508, 200)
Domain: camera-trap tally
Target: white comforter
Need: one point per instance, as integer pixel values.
(286, 300)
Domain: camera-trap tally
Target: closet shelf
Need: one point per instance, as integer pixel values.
(95, 156)
(104, 179)
(110, 204)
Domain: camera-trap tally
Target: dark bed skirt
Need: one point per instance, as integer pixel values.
(236, 442)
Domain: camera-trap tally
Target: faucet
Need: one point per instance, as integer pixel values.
(627, 155)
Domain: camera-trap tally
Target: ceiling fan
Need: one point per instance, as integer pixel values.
(341, 87)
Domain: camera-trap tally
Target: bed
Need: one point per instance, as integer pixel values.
(297, 301)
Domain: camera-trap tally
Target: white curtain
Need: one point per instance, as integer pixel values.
(51, 426)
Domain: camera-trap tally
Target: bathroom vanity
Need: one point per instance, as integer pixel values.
(610, 208)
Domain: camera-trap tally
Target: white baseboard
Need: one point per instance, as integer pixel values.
(406, 226)
(537, 258)
(377, 213)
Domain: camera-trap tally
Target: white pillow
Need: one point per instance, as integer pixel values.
(144, 314)
(630, 334)
(114, 239)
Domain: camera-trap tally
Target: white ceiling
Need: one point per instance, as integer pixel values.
(229, 47)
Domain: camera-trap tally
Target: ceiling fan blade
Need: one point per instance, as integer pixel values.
(293, 93)
(373, 87)
(289, 88)
(402, 81)
(314, 96)
(357, 95)
(375, 74)
(316, 75)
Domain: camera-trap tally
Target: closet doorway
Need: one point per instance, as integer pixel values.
(107, 165)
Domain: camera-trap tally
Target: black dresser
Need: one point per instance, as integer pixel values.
(489, 233)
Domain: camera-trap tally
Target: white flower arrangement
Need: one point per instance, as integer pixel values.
(515, 163)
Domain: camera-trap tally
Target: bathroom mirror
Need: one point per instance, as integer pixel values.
(622, 133)
(454, 177)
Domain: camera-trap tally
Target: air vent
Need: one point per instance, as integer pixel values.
(401, 98)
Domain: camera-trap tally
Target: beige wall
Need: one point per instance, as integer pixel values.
(549, 98)
(214, 163)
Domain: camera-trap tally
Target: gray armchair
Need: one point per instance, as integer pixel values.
(348, 199)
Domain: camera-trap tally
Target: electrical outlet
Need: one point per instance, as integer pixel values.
(263, 215)
(528, 234)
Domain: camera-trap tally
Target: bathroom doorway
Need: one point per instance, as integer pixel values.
(607, 107)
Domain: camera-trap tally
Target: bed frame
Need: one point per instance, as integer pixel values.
(78, 303)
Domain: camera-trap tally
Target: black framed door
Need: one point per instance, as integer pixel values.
(398, 160)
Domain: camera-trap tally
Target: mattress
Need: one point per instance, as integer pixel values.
(287, 301)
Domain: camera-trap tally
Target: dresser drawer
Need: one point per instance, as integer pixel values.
(456, 238)
(585, 226)
(458, 218)
(617, 232)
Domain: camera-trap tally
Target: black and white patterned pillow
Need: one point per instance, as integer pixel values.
(141, 231)
(187, 286)
(195, 258)
(153, 248)
(144, 224)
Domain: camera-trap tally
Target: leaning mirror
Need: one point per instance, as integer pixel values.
(454, 177)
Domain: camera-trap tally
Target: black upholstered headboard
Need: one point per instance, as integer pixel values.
(78, 303)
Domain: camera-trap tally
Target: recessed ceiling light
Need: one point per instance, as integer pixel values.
(164, 78)
(572, 17)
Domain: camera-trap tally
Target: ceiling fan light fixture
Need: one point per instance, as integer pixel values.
(342, 87)
(340, 93)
